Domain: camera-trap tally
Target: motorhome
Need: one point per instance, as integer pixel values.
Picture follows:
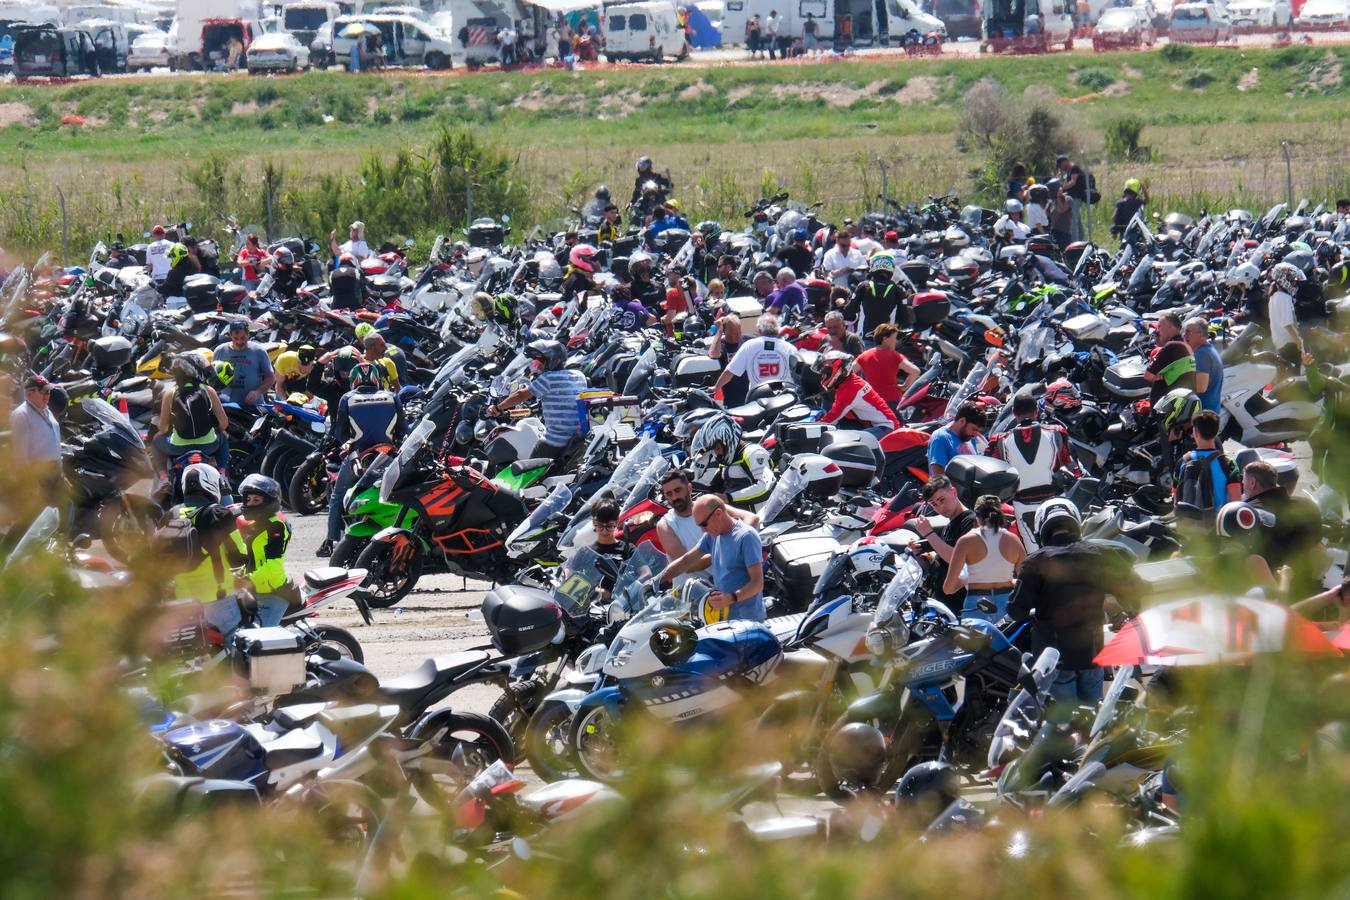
(794, 13)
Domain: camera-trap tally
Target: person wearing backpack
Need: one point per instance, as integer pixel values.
(1206, 478)
(261, 537)
(191, 417)
(196, 542)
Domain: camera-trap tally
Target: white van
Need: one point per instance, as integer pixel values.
(904, 16)
(642, 31)
(32, 13)
(735, 13)
(408, 41)
(304, 19)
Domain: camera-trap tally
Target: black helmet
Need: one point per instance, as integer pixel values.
(644, 164)
(307, 354)
(551, 354)
(857, 752)
(187, 369)
(930, 787)
(261, 486)
(602, 192)
(673, 641)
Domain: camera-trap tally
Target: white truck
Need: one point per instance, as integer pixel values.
(190, 16)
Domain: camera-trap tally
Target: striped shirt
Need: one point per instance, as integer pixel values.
(558, 392)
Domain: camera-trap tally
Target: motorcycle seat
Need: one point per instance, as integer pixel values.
(778, 402)
(521, 466)
(291, 748)
(324, 577)
(433, 672)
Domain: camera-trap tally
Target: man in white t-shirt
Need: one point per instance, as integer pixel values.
(762, 360)
(843, 258)
(355, 245)
(157, 254)
(867, 244)
(1284, 333)
(772, 26)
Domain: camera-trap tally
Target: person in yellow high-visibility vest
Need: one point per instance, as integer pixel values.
(208, 577)
(262, 537)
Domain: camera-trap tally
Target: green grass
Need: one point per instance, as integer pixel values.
(721, 131)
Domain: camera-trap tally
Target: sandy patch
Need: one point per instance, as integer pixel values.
(919, 89)
(248, 108)
(1131, 72)
(838, 95)
(15, 113)
(1324, 75)
(616, 106)
(696, 90)
(737, 94)
(1249, 80)
(1116, 89)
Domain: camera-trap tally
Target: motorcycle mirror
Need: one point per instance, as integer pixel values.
(505, 217)
(985, 605)
(82, 542)
(408, 242)
(871, 827)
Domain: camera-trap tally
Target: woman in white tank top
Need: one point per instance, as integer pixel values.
(985, 561)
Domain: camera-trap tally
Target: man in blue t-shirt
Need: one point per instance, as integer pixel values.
(1208, 364)
(955, 439)
(253, 375)
(558, 391)
(734, 554)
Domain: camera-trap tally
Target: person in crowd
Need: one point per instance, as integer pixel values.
(838, 337)
(763, 359)
(191, 417)
(753, 31)
(1173, 362)
(35, 449)
(643, 283)
(724, 463)
(1017, 180)
(1287, 554)
(1074, 184)
(261, 537)
(878, 300)
(788, 296)
(608, 538)
(956, 438)
(367, 415)
(866, 241)
(725, 344)
(1010, 229)
(1208, 364)
(647, 172)
(941, 496)
(608, 231)
(1037, 214)
(770, 35)
(854, 399)
(1065, 590)
(182, 263)
(843, 259)
(733, 552)
(810, 34)
(1061, 214)
(985, 561)
(1038, 450)
(252, 259)
(728, 274)
(293, 368)
(1206, 477)
(579, 276)
(287, 275)
(253, 374)
(626, 314)
(883, 366)
(1132, 201)
(1284, 332)
(558, 390)
(355, 246)
(796, 253)
(209, 577)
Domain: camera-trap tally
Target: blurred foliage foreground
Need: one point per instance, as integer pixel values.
(1264, 813)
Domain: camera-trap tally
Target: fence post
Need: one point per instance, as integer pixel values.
(267, 204)
(65, 226)
(1288, 175)
(885, 183)
(468, 193)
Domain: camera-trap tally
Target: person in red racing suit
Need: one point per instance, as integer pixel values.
(853, 397)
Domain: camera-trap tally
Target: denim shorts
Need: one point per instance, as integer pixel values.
(971, 611)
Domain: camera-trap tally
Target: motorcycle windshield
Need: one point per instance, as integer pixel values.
(1111, 702)
(647, 481)
(1021, 719)
(14, 290)
(1140, 277)
(624, 474)
(113, 419)
(416, 440)
(553, 504)
(578, 581)
(513, 377)
(908, 576)
(36, 537)
(642, 372)
(790, 484)
(645, 564)
(967, 390)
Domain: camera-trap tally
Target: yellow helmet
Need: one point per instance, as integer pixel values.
(1132, 184)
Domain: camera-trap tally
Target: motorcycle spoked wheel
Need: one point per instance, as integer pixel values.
(309, 487)
(548, 747)
(391, 576)
(595, 746)
(342, 640)
(125, 532)
(902, 751)
(462, 745)
(516, 706)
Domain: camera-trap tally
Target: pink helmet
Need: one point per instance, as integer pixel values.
(583, 257)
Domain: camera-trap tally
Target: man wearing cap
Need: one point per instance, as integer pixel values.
(157, 255)
(35, 444)
(253, 375)
(891, 241)
(355, 245)
(672, 219)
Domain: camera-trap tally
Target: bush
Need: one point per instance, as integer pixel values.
(1003, 130)
(1122, 139)
(1176, 53)
(1198, 78)
(1096, 79)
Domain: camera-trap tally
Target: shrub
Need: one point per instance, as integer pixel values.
(1002, 130)
(1198, 78)
(1176, 53)
(1095, 79)
(1122, 139)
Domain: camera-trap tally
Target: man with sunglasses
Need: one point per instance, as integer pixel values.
(733, 552)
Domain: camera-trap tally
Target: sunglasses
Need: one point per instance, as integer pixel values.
(707, 519)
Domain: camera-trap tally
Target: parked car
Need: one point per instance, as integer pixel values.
(279, 52)
(408, 41)
(1198, 23)
(643, 31)
(110, 42)
(1260, 13)
(44, 51)
(1122, 27)
(305, 18)
(149, 51)
(1323, 15)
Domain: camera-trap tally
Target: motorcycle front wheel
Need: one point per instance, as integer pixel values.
(309, 487)
(516, 706)
(547, 745)
(125, 531)
(390, 578)
(594, 745)
(462, 745)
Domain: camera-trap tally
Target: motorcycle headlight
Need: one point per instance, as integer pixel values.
(878, 642)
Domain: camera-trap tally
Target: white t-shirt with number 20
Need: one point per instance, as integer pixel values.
(763, 360)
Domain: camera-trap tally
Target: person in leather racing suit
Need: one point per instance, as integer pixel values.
(742, 473)
(1038, 451)
(367, 415)
(854, 399)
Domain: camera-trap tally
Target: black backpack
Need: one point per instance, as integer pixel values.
(178, 544)
(192, 414)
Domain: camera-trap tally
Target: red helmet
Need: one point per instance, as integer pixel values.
(832, 367)
(582, 257)
(346, 259)
(1064, 396)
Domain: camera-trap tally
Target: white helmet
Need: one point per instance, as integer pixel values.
(1053, 515)
(720, 429)
(1243, 276)
(821, 475)
(1287, 277)
(199, 478)
(1012, 206)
